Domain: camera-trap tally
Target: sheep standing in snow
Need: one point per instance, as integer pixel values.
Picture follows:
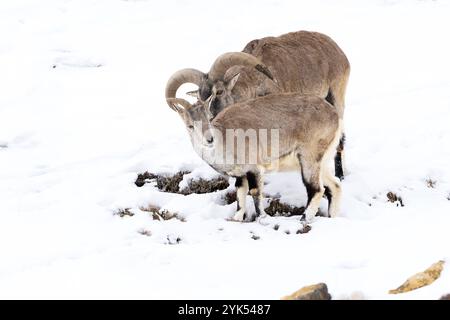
(308, 132)
(303, 62)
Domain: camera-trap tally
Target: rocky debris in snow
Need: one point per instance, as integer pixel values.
(314, 292)
(206, 186)
(254, 236)
(3, 145)
(392, 197)
(306, 228)
(421, 279)
(161, 215)
(431, 183)
(276, 227)
(170, 183)
(276, 207)
(445, 297)
(165, 183)
(143, 178)
(123, 213)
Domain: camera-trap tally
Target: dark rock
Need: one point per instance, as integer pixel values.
(392, 197)
(306, 228)
(143, 178)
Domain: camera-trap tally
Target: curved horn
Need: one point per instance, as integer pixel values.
(174, 101)
(180, 77)
(230, 59)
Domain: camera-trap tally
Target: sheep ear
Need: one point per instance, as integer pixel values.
(232, 81)
(193, 93)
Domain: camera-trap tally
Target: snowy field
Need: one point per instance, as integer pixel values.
(82, 112)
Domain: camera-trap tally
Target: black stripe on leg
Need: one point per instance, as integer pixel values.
(311, 190)
(329, 196)
(252, 180)
(238, 184)
(253, 185)
(338, 169)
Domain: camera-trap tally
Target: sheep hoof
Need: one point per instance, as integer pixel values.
(250, 218)
(239, 216)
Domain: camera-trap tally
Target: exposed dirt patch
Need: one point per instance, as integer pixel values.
(276, 207)
(123, 213)
(206, 186)
(170, 183)
(394, 198)
(230, 197)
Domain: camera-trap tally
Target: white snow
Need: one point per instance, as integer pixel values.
(82, 111)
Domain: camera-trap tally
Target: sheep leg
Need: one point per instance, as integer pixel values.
(336, 97)
(241, 195)
(255, 183)
(332, 192)
(311, 176)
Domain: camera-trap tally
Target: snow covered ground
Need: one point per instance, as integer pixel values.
(82, 111)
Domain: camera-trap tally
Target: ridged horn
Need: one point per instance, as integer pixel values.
(179, 78)
(174, 101)
(230, 59)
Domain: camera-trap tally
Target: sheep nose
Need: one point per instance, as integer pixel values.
(210, 140)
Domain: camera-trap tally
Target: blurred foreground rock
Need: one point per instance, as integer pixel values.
(315, 292)
(421, 279)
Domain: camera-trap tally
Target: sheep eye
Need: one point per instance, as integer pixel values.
(219, 92)
(191, 127)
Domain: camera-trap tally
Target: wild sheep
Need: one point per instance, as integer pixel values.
(308, 132)
(304, 62)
